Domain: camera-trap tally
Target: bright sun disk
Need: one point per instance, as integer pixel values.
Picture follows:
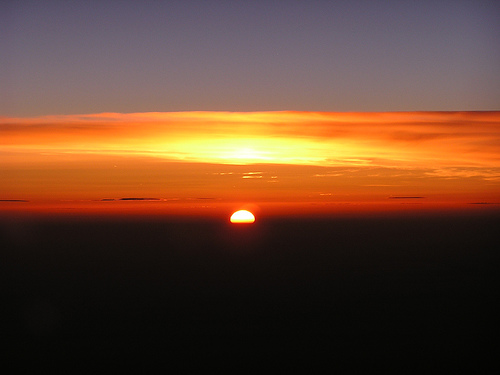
(242, 217)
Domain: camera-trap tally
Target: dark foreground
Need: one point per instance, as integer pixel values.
(428, 284)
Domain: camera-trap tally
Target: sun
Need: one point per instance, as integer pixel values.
(242, 217)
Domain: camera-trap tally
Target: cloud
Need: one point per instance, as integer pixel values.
(454, 173)
(139, 199)
(406, 197)
(485, 203)
(392, 139)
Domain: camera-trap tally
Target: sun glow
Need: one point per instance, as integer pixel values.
(240, 151)
(242, 217)
(213, 160)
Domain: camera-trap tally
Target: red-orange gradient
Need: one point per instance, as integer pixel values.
(209, 163)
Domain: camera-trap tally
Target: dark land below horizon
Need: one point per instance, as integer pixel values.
(428, 281)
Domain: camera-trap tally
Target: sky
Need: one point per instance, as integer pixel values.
(75, 57)
(205, 162)
(209, 106)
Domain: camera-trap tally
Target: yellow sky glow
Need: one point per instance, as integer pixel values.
(257, 156)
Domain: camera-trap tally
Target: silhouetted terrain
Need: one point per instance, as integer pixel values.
(424, 281)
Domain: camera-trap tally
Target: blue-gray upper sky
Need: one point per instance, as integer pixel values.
(68, 57)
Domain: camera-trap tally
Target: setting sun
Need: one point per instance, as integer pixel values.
(242, 217)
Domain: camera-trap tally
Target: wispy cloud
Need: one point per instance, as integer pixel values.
(271, 155)
(309, 138)
(451, 173)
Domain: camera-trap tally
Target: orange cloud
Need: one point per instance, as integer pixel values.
(257, 156)
(419, 138)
